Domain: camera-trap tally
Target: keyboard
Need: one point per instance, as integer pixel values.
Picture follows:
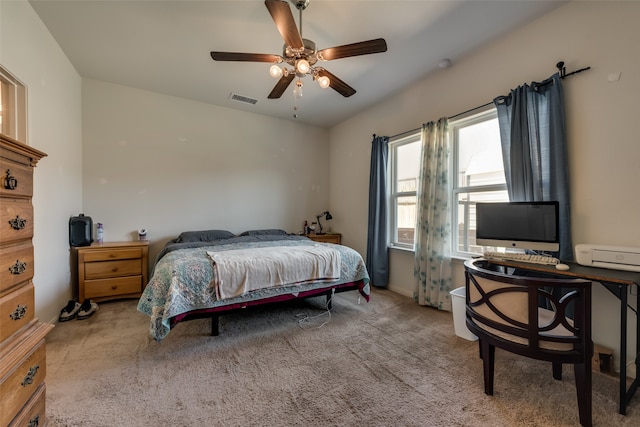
(520, 257)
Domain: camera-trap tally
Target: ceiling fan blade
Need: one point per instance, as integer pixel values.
(281, 86)
(336, 84)
(355, 49)
(248, 57)
(282, 16)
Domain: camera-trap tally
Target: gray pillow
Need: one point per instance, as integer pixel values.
(265, 232)
(204, 236)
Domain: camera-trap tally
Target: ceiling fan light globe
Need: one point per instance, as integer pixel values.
(275, 71)
(324, 82)
(302, 66)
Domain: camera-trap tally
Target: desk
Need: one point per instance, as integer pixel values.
(618, 283)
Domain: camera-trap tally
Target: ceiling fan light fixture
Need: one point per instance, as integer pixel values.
(302, 66)
(324, 82)
(275, 71)
(301, 54)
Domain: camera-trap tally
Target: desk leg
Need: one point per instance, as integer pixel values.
(623, 350)
(621, 293)
(636, 380)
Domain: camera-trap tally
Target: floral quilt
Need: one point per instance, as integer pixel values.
(183, 281)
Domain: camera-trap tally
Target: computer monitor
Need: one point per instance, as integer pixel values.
(518, 225)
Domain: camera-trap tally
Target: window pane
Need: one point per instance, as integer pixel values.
(405, 161)
(480, 154)
(407, 167)
(406, 219)
(466, 205)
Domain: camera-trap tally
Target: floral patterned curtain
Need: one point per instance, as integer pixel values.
(432, 265)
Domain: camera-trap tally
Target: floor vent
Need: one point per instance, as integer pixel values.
(242, 98)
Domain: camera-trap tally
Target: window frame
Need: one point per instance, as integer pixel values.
(13, 106)
(477, 116)
(393, 193)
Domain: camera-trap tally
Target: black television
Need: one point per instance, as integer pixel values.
(518, 225)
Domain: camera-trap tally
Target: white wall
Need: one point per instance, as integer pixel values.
(603, 141)
(29, 52)
(169, 164)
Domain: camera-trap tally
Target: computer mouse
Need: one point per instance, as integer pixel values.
(562, 267)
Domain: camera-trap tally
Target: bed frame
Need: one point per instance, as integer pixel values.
(215, 312)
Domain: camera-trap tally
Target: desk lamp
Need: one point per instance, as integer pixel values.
(327, 215)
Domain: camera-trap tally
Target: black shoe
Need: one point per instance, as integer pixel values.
(87, 309)
(69, 311)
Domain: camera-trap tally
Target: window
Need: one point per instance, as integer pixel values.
(478, 173)
(13, 107)
(404, 159)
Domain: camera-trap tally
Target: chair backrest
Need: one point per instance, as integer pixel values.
(543, 318)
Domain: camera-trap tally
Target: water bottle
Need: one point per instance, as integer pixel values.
(100, 232)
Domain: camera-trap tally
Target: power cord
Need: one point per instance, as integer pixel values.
(304, 319)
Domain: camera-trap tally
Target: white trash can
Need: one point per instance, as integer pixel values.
(458, 306)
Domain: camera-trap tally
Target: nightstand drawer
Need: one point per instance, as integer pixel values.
(326, 238)
(112, 287)
(17, 388)
(104, 269)
(112, 254)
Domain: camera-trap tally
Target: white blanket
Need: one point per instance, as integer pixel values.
(239, 271)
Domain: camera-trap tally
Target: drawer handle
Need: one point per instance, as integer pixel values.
(18, 268)
(33, 422)
(115, 269)
(18, 223)
(28, 379)
(10, 182)
(19, 312)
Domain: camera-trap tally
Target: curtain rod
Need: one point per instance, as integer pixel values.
(563, 74)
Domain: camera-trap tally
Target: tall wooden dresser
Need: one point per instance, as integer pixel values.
(22, 336)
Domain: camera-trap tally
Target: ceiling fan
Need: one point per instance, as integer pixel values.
(301, 53)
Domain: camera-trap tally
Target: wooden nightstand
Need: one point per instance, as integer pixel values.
(326, 238)
(112, 270)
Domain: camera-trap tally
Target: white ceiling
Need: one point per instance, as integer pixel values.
(163, 46)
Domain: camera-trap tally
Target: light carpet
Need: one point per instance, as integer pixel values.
(388, 362)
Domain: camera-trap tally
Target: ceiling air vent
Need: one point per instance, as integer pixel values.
(242, 98)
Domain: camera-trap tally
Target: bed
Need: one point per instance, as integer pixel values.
(209, 273)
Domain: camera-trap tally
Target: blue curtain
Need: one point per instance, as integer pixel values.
(534, 149)
(377, 253)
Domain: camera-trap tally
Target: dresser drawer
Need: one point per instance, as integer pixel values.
(16, 265)
(104, 269)
(111, 254)
(33, 414)
(113, 287)
(16, 310)
(21, 383)
(16, 220)
(19, 176)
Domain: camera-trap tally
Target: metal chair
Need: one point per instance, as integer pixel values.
(523, 315)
